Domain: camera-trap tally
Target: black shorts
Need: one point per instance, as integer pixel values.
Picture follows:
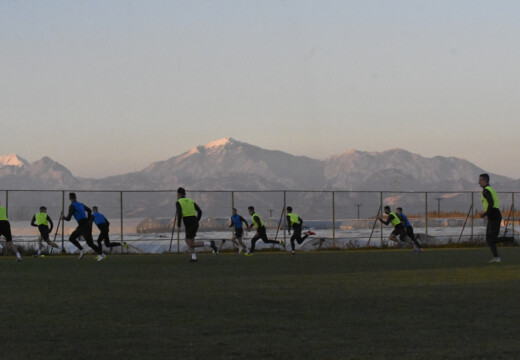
(192, 225)
(401, 231)
(239, 232)
(5, 230)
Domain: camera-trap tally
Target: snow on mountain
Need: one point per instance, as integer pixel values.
(13, 160)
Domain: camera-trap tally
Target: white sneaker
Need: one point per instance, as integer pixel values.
(81, 253)
(495, 260)
(101, 257)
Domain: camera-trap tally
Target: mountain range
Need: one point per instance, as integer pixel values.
(229, 164)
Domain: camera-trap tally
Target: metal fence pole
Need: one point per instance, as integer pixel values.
(284, 206)
(121, 214)
(63, 224)
(513, 215)
(380, 223)
(7, 203)
(472, 216)
(333, 221)
(426, 214)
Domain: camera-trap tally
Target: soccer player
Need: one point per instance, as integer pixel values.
(296, 223)
(398, 227)
(5, 231)
(491, 215)
(190, 213)
(103, 225)
(238, 231)
(42, 221)
(409, 229)
(82, 214)
(261, 233)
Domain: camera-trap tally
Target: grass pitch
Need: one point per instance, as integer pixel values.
(447, 303)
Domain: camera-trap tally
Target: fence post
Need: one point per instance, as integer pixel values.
(284, 206)
(63, 225)
(7, 203)
(426, 214)
(472, 216)
(121, 214)
(513, 215)
(380, 223)
(333, 221)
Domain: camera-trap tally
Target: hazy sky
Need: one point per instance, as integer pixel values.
(108, 87)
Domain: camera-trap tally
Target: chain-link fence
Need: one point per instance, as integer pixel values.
(339, 219)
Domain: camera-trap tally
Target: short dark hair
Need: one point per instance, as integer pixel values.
(387, 207)
(251, 208)
(484, 176)
(234, 209)
(72, 196)
(43, 208)
(181, 191)
(399, 208)
(289, 208)
(94, 208)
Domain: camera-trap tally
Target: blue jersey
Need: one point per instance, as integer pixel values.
(79, 213)
(405, 220)
(237, 221)
(99, 218)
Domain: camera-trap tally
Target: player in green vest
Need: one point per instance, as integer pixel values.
(261, 232)
(296, 223)
(189, 212)
(491, 215)
(5, 231)
(398, 227)
(42, 221)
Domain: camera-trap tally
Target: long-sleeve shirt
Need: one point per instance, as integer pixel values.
(388, 220)
(33, 222)
(178, 207)
(492, 212)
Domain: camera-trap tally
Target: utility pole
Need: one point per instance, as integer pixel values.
(358, 206)
(439, 205)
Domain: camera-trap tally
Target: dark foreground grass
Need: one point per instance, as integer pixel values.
(326, 305)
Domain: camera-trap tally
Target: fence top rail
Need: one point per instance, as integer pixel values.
(260, 191)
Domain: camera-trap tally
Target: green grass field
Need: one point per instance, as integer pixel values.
(445, 303)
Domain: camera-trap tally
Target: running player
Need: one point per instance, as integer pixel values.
(104, 226)
(296, 223)
(42, 221)
(398, 227)
(409, 229)
(5, 231)
(238, 231)
(84, 229)
(260, 231)
(191, 213)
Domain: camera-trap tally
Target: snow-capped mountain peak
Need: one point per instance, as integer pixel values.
(13, 160)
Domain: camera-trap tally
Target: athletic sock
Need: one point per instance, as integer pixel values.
(18, 255)
(193, 256)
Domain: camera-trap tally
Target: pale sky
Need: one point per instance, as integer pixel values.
(108, 87)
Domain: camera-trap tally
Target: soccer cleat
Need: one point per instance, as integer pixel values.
(248, 254)
(19, 259)
(194, 260)
(37, 255)
(215, 250)
(282, 244)
(81, 254)
(101, 257)
(293, 252)
(495, 260)
(125, 245)
(311, 232)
